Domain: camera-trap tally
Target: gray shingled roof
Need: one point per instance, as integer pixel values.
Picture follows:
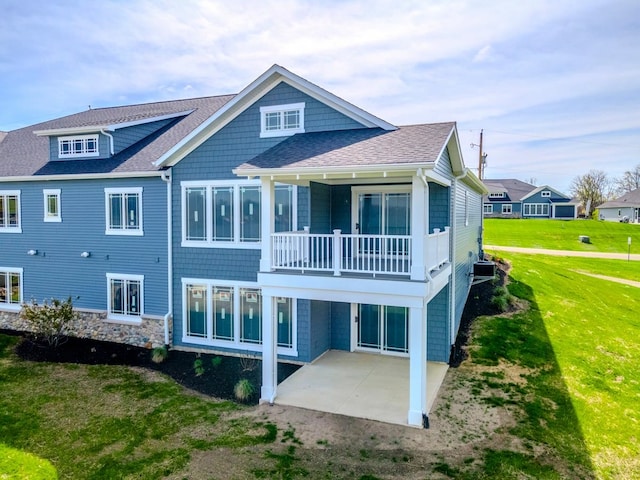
(629, 199)
(352, 148)
(22, 153)
(515, 189)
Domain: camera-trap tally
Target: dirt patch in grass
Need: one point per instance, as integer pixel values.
(208, 374)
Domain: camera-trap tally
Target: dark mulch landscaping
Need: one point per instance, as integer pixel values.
(216, 380)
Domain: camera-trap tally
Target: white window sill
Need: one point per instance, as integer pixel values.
(248, 347)
(53, 219)
(10, 230)
(123, 319)
(127, 233)
(8, 307)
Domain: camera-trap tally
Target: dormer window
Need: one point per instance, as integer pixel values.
(496, 195)
(281, 120)
(546, 194)
(78, 146)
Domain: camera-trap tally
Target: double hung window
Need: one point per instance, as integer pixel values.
(10, 288)
(125, 297)
(536, 209)
(123, 211)
(488, 208)
(52, 206)
(506, 209)
(10, 211)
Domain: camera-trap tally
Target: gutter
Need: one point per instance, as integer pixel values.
(167, 178)
(111, 147)
(452, 335)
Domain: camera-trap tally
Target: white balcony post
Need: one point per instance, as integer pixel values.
(337, 252)
(305, 246)
(267, 202)
(417, 365)
(419, 223)
(269, 351)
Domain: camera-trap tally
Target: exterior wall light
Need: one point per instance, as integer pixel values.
(32, 252)
(85, 254)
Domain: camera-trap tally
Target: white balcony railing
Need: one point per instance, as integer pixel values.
(339, 253)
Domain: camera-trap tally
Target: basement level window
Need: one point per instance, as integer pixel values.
(78, 146)
(281, 120)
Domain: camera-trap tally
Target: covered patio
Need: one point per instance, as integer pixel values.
(363, 385)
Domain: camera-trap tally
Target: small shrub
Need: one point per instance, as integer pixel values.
(216, 361)
(243, 390)
(248, 363)
(198, 367)
(159, 354)
(50, 322)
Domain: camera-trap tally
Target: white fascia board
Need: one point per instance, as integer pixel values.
(96, 128)
(540, 189)
(256, 89)
(455, 152)
(333, 172)
(82, 176)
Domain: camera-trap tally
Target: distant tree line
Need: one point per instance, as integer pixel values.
(596, 187)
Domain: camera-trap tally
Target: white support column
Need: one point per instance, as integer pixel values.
(269, 351)
(419, 225)
(417, 365)
(267, 203)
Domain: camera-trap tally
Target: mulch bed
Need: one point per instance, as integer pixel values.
(216, 380)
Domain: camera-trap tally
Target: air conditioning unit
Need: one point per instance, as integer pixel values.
(484, 269)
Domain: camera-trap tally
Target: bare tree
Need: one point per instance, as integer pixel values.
(629, 181)
(592, 188)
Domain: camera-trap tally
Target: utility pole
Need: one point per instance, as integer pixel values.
(480, 158)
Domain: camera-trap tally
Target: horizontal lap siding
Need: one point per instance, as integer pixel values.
(59, 271)
(125, 137)
(438, 344)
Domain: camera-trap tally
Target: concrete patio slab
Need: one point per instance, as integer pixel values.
(362, 385)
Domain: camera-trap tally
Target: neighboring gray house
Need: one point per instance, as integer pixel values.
(281, 222)
(625, 208)
(511, 198)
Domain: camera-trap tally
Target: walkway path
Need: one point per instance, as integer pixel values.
(565, 253)
(624, 281)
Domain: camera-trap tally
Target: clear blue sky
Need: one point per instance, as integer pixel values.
(554, 84)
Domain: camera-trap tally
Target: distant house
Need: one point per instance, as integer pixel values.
(511, 198)
(624, 208)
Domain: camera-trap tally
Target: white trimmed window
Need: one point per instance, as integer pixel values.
(228, 214)
(10, 211)
(125, 294)
(535, 209)
(10, 288)
(123, 211)
(229, 314)
(545, 194)
(506, 209)
(281, 120)
(78, 146)
(496, 195)
(52, 206)
(487, 208)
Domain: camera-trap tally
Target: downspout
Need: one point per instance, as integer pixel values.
(111, 147)
(454, 233)
(166, 177)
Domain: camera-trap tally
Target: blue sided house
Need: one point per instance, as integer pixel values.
(511, 198)
(281, 222)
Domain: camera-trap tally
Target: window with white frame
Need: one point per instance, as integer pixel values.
(487, 208)
(10, 211)
(281, 120)
(229, 314)
(536, 209)
(123, 211)
(125, 297)
(496, 195)
(546, 194)
(229, 213)
(52, 206)
(506, 209)
(10, 288)
(78, 146)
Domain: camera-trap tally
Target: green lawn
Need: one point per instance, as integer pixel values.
(593, 329)
(562, 234)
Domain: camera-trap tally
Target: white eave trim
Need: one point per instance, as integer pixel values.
(332, 172)
(82, 176)
(96, 128)
(256, 89)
